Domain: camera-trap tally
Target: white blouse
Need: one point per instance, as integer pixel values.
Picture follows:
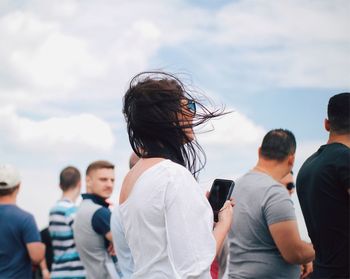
(168, 224)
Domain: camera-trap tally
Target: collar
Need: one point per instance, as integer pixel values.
(95, 199)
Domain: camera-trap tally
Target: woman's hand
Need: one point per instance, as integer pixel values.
(226, 215)
(223, 225)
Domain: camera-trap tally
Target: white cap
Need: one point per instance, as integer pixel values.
(9, 176)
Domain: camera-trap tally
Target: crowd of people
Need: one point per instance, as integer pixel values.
(162, 226)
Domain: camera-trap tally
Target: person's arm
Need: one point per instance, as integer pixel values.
(292, 248)
(223, 225)
(36, 251)
(31, 237)
(280, 216)
(101, 225)
(109, 237)
(306, 270)
(110, 247)
(125, 259)
(44, 270)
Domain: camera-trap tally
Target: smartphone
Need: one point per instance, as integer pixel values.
(220, 192)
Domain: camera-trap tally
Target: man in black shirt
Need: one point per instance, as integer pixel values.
(323, 187)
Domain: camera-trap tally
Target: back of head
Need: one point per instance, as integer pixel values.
(96, 165)
(278, 144)
(339, 113)
(9, 179)
(69, 178)
(152, 107)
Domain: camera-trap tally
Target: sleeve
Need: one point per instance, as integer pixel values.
(30, 232)
(343, 172)
(278, 206)
(101, 221)
(189, 227)
(125, 259)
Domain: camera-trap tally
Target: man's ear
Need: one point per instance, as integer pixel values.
(327, 125)
(291, 159)
(88, 183)
(18, 187)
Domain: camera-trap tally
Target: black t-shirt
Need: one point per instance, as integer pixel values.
(322, 186)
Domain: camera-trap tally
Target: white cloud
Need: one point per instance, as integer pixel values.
(304, 150)
(60, 60)
(77, 133)
(234, 129)
(270, 23)
(38, 193)
(63, 50)
(231, 147)
(57, 52)
(289, 43)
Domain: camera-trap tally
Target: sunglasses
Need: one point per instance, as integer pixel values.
(191, 105)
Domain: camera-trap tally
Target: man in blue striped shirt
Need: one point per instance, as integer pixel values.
(66, 262)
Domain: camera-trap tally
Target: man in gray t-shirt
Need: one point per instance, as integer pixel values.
(264, 238)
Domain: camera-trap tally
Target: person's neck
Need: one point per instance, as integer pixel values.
(272, 168)
(70, 195)
(336, 138)
(10, 199)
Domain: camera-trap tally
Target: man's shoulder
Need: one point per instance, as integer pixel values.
(342, 153)
(18, 212)
(87, 208)
(18, 216)
(333, 153)
(63, 205)
(64, 208)
(257, 179)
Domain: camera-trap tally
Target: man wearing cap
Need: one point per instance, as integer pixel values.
(20, 244)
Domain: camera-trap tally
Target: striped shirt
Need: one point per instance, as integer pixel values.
(66, 261)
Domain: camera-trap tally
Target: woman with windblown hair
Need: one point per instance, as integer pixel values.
(167, 220)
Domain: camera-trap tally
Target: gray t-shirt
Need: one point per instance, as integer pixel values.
(260, 201)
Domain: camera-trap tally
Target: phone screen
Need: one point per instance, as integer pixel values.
(220, 192)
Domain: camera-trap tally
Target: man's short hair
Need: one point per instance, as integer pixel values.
(69, 178)
(339, 113)
(278, 144)
(7, 192)
(101, 164)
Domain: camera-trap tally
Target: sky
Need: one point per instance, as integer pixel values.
(66, 64)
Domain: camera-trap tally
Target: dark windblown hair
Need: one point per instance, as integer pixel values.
(151, 107)
(69, 178)
(339, 113)
(278, 144)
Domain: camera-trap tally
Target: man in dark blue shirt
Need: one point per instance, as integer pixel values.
(20, 244)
